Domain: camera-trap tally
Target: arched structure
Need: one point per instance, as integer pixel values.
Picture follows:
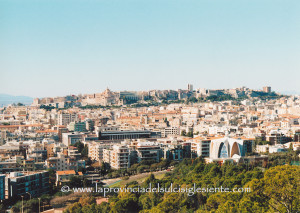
(235, 149)
(223, 151)
(227, 148)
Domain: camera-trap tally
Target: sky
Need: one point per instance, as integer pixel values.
(63, 47)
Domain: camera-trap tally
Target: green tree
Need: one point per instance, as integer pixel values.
(171, 203)
(85, 151)
(127, 202)
(190, 134)
(52, 179)
(75, 181)
(79, 145)
(282, 187)
(2, 208)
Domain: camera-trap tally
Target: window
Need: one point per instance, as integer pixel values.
(223, 151)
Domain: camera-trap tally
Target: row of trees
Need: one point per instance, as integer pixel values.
(138, 168)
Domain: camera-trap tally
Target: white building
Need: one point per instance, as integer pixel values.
(66, 118)
(170, 131)
(229, 147)
(71, 138)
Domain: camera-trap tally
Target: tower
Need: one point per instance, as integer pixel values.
(190, 87)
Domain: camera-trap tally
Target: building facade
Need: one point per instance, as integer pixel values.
(118, 157)
(33, 183)
(2, 187)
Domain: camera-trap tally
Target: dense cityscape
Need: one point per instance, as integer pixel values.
(130, 106)
(110, 138)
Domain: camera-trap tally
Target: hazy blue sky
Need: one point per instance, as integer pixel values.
(60, 47)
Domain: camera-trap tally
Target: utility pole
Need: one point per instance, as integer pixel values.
(22, 204)
(39, 205)
(29, 195)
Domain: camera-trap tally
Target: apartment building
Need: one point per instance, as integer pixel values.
(201, 147)
(2, 187)
(11, 149)
(80, 127)
(170, 131)
(262, 148)
(66, 118)
(63, 162)
(73, 152)
(55, 148)
(9, 166)
(174, 152)
(60, 163)
(33, 183)
(118, 157)
(148, 151)
(275, 137)
(96, 150)
(37, 151)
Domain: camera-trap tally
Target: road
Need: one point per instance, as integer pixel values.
(109, 182)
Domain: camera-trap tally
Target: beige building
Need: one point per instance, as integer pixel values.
(96, 150)
(170, 131)
(117, 157)
(105, 98)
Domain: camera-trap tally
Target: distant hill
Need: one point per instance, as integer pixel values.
(6, 99)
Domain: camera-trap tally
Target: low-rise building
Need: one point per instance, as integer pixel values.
(71, 138)
(64, 176)
(170, 131)
(277, 148)
(230, 147)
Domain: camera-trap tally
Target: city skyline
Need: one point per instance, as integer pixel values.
(58, 48)
(182, 89)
